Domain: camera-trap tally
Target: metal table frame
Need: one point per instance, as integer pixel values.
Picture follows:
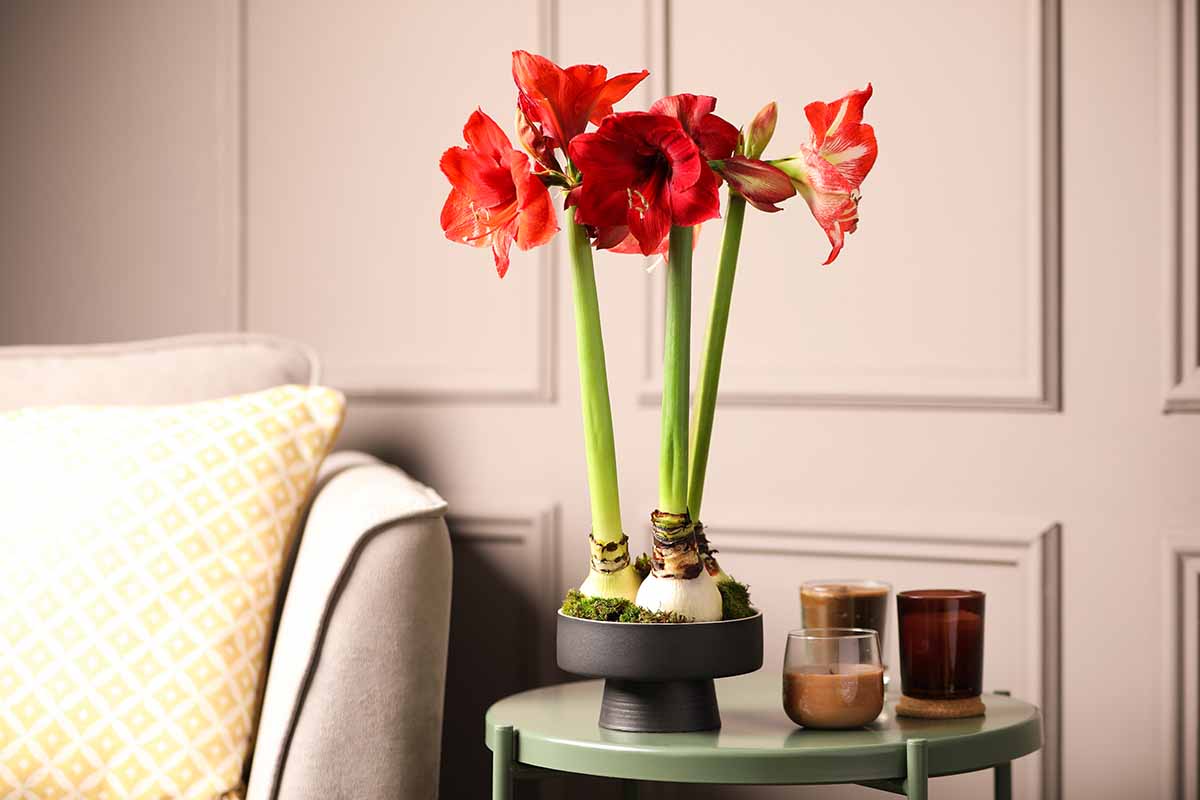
(1020, 739)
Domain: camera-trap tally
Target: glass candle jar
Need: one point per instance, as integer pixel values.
(832, 677)
(941, 643)
(846, 604)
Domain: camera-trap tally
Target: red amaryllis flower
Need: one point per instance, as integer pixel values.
(715, 137)
(496, 199)
(563, 101)
(642, 170)
(760, 183)
(828, 171)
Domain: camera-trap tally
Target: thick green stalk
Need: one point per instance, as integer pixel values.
(714, 348)
(673, 457)
(593, 390)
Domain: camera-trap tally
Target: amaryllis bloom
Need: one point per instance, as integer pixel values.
(829, 169)
(495, 200)
(715, 137)
(643, 171)
(760, 183)
(563, 101)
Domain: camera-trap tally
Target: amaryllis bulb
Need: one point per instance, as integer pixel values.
(696, 598)
(623, 583)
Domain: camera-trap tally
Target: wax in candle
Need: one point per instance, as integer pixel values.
(941, 653)
(833, 696)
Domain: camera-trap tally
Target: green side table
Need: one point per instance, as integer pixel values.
(554, 728)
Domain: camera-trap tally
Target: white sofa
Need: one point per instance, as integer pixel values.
(353, 700)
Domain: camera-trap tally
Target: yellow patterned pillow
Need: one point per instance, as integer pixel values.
(140, 552)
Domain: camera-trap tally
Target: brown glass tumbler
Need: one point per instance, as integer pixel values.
(941, 643)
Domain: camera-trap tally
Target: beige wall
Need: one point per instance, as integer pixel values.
(931, 410)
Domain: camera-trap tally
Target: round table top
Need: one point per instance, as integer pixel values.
(556, 728)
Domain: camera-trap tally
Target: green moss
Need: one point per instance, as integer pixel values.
(735, 600)
(643, 566)
(613, 609)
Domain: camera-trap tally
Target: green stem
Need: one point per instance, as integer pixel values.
(593, 391)
(714, 348)
(673, 457)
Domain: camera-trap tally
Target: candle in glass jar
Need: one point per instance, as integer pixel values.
(834, 696)
(832, 677)
(941, 643)
(845, 604)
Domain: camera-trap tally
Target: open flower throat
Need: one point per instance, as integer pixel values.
(643, 172)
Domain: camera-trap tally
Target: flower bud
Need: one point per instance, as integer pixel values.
(758, 133)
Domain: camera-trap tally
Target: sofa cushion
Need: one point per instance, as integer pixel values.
(180, 369)
(143, 547)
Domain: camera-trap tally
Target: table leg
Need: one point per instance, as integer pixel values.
(916, 781)
(502, 759)
(629, 790)
(1002, 781)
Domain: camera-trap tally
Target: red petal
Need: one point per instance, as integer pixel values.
(613, 91)
(535, 221)
(715, 137)
(827, 118)
(608, 172)
(684, 157)
(760, 183)
(840, 136)
(485, 136)
(852, 152)
(542, 85)
(501, 244)
(459, 221)
(700, 202)
(616, 238)
(687, 108)
(650, 219)
(836, 213)
(480, 178)
(604, 156)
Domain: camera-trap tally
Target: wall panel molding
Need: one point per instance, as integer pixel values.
(380, 382)
(376, 368)
(1039, 388)
(1035, 557)
(1181, 698)
(1183, 259)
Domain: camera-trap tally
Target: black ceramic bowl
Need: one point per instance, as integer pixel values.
(659, 677)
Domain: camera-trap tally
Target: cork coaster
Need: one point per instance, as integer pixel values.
(939, 709)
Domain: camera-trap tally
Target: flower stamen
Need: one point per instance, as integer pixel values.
(641, 205)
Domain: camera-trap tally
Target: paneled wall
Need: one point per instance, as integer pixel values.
(994, 386)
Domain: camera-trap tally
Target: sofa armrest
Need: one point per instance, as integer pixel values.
(353, 700)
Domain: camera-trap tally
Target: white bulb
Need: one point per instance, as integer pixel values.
(623, 583)
(696, 598)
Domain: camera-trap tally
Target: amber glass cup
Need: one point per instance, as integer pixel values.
(832, 677)
(941, 643)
